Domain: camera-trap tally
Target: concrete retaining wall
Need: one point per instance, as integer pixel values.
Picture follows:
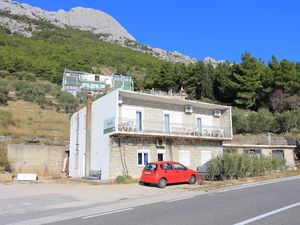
(45, 161)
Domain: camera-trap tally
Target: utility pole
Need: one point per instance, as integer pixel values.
(88, 134)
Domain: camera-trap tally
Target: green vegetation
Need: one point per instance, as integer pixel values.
(234, 165)
(6, 119)
(4, 163)
(124, 179)
(266, 96)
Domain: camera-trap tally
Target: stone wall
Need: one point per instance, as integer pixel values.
(124, 150)
(46, 161)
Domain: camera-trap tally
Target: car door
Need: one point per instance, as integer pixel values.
(181, 171)
(169, 172)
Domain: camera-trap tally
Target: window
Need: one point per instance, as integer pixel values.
(167, 123)
(139, 121)
(166, 166)
(143, 158)
(179, 167)
(151, 166)
(199, 124)
(184, 158)
(253, 151)
(278, 153)
(160, 154)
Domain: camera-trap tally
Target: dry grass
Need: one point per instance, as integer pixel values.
(32, 121)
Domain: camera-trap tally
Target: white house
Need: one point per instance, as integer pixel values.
(129, 129)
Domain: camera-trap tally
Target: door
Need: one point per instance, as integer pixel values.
(169, 173)
(139, 121)
(181, 173)
(205, 156)
(167, 123)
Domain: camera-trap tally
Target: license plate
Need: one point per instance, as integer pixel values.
(147, 172)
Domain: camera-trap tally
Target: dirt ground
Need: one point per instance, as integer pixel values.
(83, 193)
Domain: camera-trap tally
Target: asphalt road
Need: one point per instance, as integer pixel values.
(274, 203)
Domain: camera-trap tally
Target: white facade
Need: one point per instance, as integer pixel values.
(102, 110)
(130, 115)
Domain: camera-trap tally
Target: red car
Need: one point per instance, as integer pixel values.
(166, 172)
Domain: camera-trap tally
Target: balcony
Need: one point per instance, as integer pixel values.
(157, 128)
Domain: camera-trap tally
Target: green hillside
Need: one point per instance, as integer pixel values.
(266, 94)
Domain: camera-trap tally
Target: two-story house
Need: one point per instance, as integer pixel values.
(129, 129)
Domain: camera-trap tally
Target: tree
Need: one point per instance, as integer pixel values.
(246, 81)
(67, 102)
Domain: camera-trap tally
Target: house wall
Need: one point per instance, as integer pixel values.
(101, 110)
(104, 109)
(46, 161)
(153, 115)
(77, 136)
(123, 155)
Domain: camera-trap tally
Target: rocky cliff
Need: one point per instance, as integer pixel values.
(80, 18)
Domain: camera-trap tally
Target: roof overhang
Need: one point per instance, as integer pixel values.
(170, 100)
(259, 146)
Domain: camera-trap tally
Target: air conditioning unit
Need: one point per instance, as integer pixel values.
(217, 113)
(188, 109)
(160, 143)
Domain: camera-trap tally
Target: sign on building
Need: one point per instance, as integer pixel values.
(109, 125)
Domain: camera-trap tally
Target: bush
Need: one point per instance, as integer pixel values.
(25, 76)
(6, 119)
(4, 91)
(212, 168)
(231, 165)
(124, 179)
(120, 179)
(3, 158)
(67, 102)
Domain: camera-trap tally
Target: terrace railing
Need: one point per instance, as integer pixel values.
(174, 129)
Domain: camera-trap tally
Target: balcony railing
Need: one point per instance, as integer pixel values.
(175, 129)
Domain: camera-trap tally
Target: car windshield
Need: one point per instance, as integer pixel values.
(151, 166)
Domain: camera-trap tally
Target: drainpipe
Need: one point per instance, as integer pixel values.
(88, 135)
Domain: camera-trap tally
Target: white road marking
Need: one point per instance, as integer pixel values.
(268, 214)
(106, 213)
(179, 199)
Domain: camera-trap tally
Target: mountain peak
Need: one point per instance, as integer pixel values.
(87, 19)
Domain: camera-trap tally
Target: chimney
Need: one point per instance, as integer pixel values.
(107, 89)
(88, 134)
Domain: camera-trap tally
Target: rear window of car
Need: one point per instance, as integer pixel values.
(151, 166)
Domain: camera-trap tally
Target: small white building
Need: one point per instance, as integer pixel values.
(77, 81)
(129, 129)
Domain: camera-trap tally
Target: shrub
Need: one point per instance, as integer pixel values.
(231, 165)
(3, 92)
(3, 158)
(120, 179)
(6, 119)
(23, 75)
(67, 102)
(212, 168)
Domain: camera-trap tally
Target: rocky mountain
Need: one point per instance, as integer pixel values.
(80, 18)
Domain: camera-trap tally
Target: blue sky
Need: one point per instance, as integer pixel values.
(198, 28)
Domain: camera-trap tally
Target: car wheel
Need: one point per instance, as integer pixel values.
(162, 183)
(192, 179)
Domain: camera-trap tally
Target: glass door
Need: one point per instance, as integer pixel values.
(167, 123)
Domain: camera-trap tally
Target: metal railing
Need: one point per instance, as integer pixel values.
(174, 129)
